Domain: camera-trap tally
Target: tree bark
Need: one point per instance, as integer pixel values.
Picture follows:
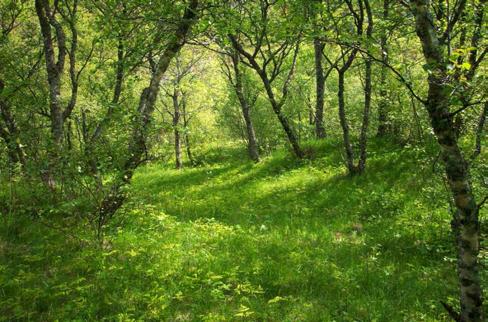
(465, 221)
(363, 137)
(137, 145)
(319, 89)
(383, 122)
(252, 145)
(10, 133)
(275, 104)
(92, 140)
(479, 131)
(176, 124)
(189, 153)
(345, 126)
(54, 68)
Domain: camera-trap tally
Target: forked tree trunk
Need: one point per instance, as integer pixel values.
(345, 126)
(137, 144)
(54, 70)
(92, 141)
(465, 223)
(252, 144)
(363, 137)
(275, 104)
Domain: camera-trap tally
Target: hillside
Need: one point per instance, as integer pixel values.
(230, 240)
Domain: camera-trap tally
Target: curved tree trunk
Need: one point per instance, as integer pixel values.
(252, 144)
(267, 83)
(465, 222)
(137, 145)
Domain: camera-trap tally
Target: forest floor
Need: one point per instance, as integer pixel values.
(282, 240)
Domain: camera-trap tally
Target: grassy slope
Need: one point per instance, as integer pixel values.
(281, 241)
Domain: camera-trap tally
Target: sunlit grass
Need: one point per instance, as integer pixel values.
(282, 240)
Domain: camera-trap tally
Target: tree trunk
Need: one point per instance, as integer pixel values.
(91, 141)
(465, 221)
(292, 138)
(277, 106)
(290, 134)
(345, 126)
(176, 124)
(189, 153)
(320, 88)
(363, 137)
(54, 68)
(479, 131)
(383, 122)
(10, 134)
(137, 145)
(252, 145)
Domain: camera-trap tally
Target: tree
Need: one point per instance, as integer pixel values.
(55, 64)
(235, 76)
(348, 52)
(465, 222)
(174, 82)
(267, 56)
(147, 100)
(9, 130)
(383, 121)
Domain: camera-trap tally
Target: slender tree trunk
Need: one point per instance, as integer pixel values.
(465, 223)
(479, 131)
(10, 134)
(189, 153)
(345, 126)
(117, 91)
(319, 89)
(290, 134)
(91, 141)
(137, 145)
(292, 138)
(68, 136)
(252, 144)
(383, 122)
(416, 118)
(277, 106)
(54, 68)
(363, 137)
(352, 169)
(176, 124)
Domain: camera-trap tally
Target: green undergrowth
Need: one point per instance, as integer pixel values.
(230, 240)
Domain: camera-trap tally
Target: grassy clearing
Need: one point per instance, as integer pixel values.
(282, 240)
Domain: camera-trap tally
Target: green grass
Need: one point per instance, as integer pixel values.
(282, 240)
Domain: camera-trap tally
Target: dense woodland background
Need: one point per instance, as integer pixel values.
(265, 160)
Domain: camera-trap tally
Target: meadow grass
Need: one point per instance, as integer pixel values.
(230, 240)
